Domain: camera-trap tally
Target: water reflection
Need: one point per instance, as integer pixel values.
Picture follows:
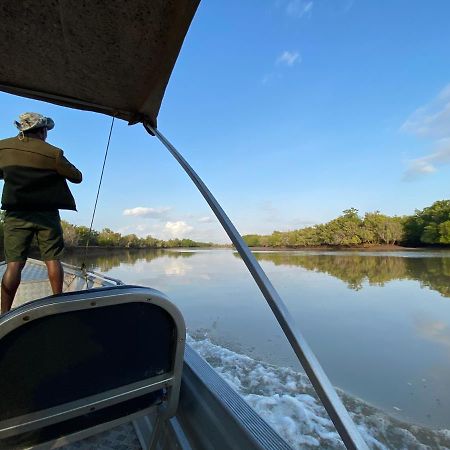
(378, 339)
(106, 259)
(434, 330)
(356, 269)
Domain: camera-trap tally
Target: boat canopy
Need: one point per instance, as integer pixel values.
(111, 57)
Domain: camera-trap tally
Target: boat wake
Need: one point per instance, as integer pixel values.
(287, 401)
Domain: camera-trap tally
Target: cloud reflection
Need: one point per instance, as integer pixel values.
(177, 268)
(434, 330)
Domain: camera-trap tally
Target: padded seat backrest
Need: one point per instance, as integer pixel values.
(66, 356)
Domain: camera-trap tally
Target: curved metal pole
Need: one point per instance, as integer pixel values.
(324, 389)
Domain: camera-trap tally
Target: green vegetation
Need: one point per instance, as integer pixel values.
(76, 236)
(431, 226)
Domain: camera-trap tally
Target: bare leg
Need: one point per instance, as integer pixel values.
(55, 275)
(10, 283)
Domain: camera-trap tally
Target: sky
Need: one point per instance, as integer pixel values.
(290, 111)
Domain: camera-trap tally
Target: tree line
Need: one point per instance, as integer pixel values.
(77, 236)
(430, 226)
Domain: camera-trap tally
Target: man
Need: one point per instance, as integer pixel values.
(35, 189)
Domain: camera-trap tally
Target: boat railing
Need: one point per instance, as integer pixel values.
(100, 276)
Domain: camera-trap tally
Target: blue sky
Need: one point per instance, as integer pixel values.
(290, 110)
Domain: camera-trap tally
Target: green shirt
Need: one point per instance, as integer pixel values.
(35, 175)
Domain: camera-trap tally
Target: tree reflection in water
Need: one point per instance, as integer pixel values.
(356, 269)
(104, 260)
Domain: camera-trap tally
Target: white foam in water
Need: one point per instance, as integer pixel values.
(287, 401)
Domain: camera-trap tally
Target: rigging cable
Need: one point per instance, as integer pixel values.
(83, 264)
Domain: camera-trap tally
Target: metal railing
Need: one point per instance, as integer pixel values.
(322, 385)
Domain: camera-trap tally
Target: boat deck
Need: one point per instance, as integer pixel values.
(35, 285)
(35, 282)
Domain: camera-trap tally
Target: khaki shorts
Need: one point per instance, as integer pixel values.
(21, 226)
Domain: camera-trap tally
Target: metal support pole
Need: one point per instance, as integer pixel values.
(324, 389)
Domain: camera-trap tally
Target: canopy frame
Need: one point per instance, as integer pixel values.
(344, 424)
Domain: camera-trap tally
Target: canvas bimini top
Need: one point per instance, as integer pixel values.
(112, 57)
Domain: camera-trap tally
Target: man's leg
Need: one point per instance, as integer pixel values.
(18, 235)
(10, 283)
(55, 275)
(51, 244)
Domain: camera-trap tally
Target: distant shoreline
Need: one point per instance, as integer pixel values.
(101, 248)
(337, 248)
(360, 248)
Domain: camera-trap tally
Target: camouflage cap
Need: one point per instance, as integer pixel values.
(30, 121)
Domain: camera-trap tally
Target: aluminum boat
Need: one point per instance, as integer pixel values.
(104, 355)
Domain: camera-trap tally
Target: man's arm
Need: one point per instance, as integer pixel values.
(66, 169)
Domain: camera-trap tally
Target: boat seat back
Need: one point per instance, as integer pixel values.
(76, 361)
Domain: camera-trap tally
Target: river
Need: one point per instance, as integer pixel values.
(379, 323)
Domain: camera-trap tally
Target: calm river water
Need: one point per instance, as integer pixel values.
(379, 323)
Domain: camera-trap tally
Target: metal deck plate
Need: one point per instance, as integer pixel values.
(35, 284)
(31, 272)
(122, 437)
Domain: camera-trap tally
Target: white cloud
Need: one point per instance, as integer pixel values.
(206, 219)
(270, 77)
(429, 164)
(417, 168)
(445, 93)
(178, 229)
(205, 232)
(141, 211)
(143, 229)
(430, 121)
(289, 58)
(299, 8)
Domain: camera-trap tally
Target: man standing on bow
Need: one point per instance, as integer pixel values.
(35, 175)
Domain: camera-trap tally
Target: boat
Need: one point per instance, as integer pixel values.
(106, 359)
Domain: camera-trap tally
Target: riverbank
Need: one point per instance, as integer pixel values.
(96, 251)
(358, 248)
(100, 249)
